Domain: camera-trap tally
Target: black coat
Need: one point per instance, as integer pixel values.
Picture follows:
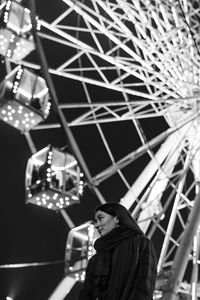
(124, 268)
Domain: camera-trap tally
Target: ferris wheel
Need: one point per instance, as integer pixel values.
(127, 77)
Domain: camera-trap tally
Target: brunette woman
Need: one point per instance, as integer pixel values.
(124, 266)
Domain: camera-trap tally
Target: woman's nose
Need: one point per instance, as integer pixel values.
(96, 224)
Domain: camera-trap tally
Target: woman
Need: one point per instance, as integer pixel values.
(124, 266)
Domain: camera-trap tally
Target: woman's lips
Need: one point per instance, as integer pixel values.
(100, 230)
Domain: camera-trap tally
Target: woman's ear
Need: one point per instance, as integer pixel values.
(116, 221)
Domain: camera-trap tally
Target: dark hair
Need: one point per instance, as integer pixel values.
(117, 210)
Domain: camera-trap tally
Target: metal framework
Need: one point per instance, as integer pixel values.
(134, 67)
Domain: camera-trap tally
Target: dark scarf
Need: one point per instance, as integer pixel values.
(116, 262)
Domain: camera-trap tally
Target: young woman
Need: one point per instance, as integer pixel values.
(124, 266)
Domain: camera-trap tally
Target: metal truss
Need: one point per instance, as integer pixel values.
(134, 67)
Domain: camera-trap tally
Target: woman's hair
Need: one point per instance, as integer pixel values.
(123, 215)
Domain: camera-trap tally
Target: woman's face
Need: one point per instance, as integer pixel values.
(104, 222)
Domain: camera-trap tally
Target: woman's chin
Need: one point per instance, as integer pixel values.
(102, 233)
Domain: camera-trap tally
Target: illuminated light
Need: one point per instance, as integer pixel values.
(18, 76)
(82, 277)
(16, 83)
(55, 196)
(16, 30)
(76, 261)
(60, 183)
(21, 92)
